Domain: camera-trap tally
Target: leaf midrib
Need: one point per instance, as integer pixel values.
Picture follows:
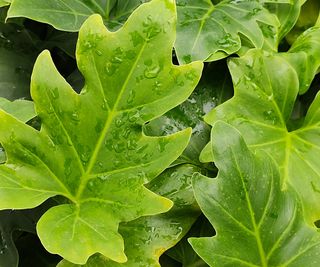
(251, 211)
(86, 176)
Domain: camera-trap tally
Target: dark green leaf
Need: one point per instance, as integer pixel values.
(257, 224)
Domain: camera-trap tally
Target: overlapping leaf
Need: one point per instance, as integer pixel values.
(20, 109)
(69, 15)
(12, 221)
(287, 13)
(91, 148)
(256, 223)
(266, 87)
(148, 237)
(17, 57)
(210, 92)
(4, 3)
(209, 32)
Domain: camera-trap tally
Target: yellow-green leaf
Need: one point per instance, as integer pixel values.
(91, 148)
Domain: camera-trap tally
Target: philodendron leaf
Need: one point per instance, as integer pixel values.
(11, 221)
(266, 87)
(4, 3)
(21, 109)
(148, 237)
(91, 148)
(17, 58)
(69, 15)
(211, 91)
(257, 224)
(209, 32)
(287, 14)
(307, 18)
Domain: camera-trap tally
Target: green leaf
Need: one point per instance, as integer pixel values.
(11, 222)
(307, 47)
(91, 148)
(4, 3)
(148, 237)
(266, 87)
(234, 23)
(21, 109)
(17, 58)
(69, 15)
(210, 92)
(307, 19)
(245, 204)
(183, 252)
(287, 14)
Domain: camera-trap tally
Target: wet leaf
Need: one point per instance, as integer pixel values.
(214, 88)
(4, 3)
(209, 32)
(257, 224)
(148, 237)
(266, 87)
(69, 15)
(17, 57)
(10, 223)
(91, 148)
(21, 109)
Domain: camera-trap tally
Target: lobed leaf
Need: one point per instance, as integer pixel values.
(266, 87)
(70, 15)
(209, 32)
(256, 223)
(91, 148)
(21, 109)
(18, 54)
(210, 92)
(148, 237)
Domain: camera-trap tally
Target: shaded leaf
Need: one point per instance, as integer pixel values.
(11, 222)
(17, 57)
(91, 148)
(4, 3)
(183, 252)
(148, 237)
(69, 15)
(287, 13)
(307, 18)
(245, 204)
(209, 32)
(266, 87)
(214, 88)
(21, 109)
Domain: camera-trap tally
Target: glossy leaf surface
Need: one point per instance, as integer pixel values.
(257, 224)
(148, 237)
(10, 223)
(91, 148)
(69, 15)
(21, 109)
(266, 87)
(209, 32)
(214, 88)
(4, 3)
(17, 58)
